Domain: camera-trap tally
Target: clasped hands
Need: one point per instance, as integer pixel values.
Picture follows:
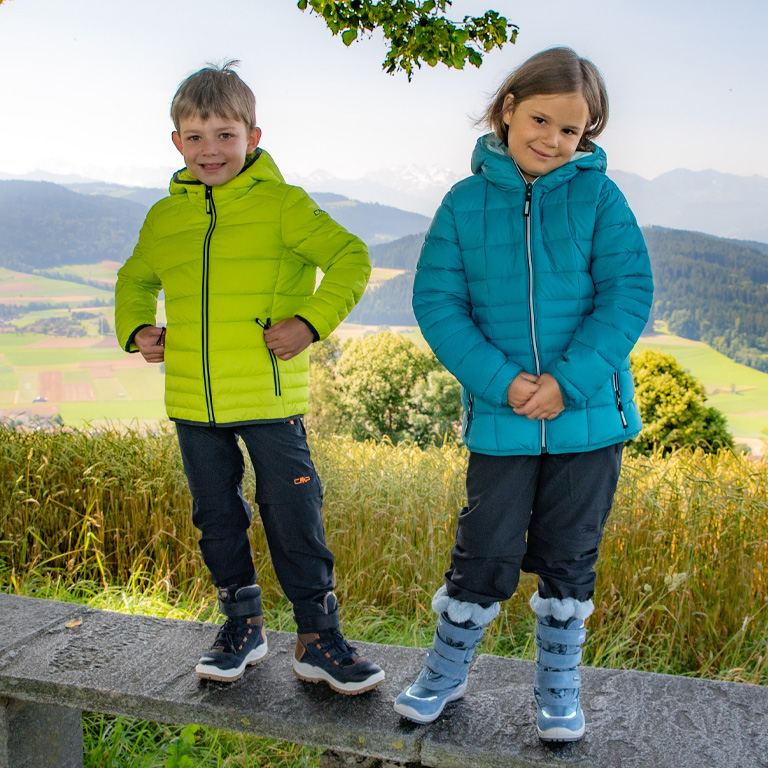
(536, 397)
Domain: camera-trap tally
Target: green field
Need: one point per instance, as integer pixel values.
(740, 392)
(21, 288)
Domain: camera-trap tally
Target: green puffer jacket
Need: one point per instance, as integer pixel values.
(231, 259)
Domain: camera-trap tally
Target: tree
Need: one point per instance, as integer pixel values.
(417, 31)
(324, 413)
(435, 414)
(672, 405)
(376, 377)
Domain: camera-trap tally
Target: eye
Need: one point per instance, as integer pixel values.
(539, 120)
(226, 136)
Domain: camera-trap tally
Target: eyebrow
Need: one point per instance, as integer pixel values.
(220, 128)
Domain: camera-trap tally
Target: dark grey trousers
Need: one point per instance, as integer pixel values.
(289, 496)
(537, 514)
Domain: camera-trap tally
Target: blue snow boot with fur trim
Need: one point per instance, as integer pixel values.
(560, 633)
(460, 627)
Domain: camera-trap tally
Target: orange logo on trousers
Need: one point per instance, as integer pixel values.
(300, 480)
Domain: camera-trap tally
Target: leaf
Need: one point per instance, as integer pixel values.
(74, 623)
(349, 36)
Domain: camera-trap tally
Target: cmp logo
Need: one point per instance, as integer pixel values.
(301, 480)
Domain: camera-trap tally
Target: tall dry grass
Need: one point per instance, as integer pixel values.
(681, 583)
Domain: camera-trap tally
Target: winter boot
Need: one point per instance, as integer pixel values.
(460, 627)
(559, 634)
(241, 641)
(324, 656)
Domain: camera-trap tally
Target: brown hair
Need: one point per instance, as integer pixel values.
(554, 71)
(215, 91)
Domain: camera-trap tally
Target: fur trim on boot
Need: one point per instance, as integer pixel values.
(460, 611)
(562, 610)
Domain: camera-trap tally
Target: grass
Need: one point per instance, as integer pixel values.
(681, 584)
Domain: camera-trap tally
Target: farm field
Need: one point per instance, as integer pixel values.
(87, 380)
(740, 392)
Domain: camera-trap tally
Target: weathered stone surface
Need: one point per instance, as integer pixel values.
(142, 667)
(39, 736)
(634, 720)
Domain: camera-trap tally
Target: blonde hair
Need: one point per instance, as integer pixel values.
(554, 71)
(215, 91)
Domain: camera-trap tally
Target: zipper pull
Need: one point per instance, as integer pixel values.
(208, 199)
(528, 196)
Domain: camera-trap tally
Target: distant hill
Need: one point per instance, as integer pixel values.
(720, 204)
(371, 222)
(708, 289)
(45, 225)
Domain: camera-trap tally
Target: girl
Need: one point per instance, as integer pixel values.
(532, 287)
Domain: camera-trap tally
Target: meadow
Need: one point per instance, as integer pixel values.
(681, 580)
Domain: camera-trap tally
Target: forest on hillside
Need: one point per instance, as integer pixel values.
(707, 289)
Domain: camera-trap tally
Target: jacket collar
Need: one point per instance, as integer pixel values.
(259, 166)
(490, 160)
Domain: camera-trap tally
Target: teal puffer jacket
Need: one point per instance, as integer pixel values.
(545, 277)
(230, 259)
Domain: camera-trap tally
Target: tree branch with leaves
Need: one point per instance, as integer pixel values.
(418, 32)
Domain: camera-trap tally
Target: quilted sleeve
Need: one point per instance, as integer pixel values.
(621, 272)
(441, 303)
(136, 291)
(315, 238)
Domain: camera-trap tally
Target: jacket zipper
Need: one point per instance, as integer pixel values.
(529, 256)
(619, 404)
(272, 357)
(210, 209)
(468, 422)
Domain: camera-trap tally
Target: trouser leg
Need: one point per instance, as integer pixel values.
(569, 512)
(490, 535)
(289, 495)
(214, 467)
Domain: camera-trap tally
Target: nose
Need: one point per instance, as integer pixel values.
(551, 137)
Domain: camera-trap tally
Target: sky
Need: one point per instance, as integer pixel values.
(86, 85)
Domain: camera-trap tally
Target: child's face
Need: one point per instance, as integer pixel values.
(214, 150)
(544, 131)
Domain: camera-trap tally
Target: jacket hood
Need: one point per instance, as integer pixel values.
(258, 166)
(490, 160)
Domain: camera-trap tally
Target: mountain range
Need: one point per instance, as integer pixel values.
(720, 204)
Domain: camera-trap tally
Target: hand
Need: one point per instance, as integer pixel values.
(546, 403)
(151, 343)
(522, 388)
(288, 338)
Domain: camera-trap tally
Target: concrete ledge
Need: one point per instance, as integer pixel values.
(83, 659)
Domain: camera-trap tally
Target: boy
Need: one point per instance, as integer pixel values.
(235, 248)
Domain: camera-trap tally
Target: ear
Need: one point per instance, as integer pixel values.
(254, 137)
(176, 139)
(507, 108)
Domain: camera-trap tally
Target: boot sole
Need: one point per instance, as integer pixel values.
(311, 674)
(560, 734)
(210, 672)
(412, 714)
